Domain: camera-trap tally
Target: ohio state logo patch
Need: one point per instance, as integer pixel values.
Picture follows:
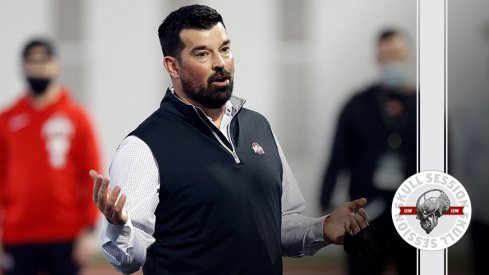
(431, 210)
(257, 148)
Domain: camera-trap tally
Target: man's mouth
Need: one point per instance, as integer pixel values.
(221, 81)
(220, 78)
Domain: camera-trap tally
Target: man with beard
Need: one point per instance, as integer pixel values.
(46, 146)
(206, 187)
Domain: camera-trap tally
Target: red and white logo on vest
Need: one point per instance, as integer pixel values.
(257, 148)
(431, 210)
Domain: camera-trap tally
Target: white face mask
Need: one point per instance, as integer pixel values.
(394, 75)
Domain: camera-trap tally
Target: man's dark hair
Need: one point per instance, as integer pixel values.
(197, 17)
(39, 42)
(388, 34)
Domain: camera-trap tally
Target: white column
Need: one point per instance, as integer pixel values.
(431, 109)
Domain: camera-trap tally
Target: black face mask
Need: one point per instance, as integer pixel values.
(38, 85)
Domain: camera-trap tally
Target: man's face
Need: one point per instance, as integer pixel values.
(393, 50)
(39, 64)
(207, 66)
(393, 58)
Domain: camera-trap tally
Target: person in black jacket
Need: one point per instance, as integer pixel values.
(375, 143)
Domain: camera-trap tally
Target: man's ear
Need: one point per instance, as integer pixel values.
(172, 66)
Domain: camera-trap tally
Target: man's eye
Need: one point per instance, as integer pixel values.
(226, 50)
(202, 54)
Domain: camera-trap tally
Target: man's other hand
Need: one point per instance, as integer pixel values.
(349, 218)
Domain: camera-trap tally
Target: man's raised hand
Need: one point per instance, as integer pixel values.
(108, 201)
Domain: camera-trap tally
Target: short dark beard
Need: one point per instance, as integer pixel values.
(212, 97)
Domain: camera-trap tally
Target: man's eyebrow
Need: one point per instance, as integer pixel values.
(226, 42)
(199, 48)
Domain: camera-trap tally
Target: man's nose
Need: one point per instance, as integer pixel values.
(218, 62)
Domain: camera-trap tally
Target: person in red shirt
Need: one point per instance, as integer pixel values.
(47, 145)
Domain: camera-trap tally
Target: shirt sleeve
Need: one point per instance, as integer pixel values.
(301, 235)
(3, 170)
(135, 170)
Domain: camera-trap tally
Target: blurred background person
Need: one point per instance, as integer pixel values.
(47, 145)
(375, 143)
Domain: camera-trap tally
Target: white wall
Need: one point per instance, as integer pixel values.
(19, 20)
(124, 66)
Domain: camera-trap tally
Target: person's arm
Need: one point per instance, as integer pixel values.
(3, 168)
(3, 171)
(129, 223)
(301, 235)
(304, 236)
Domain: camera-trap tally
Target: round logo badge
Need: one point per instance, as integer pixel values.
(431, 210)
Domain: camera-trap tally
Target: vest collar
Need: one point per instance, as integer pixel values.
(236, 104)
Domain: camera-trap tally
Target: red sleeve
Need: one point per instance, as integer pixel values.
(88, 157)
(3, 168)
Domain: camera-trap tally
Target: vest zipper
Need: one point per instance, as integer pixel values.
(233, 151)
